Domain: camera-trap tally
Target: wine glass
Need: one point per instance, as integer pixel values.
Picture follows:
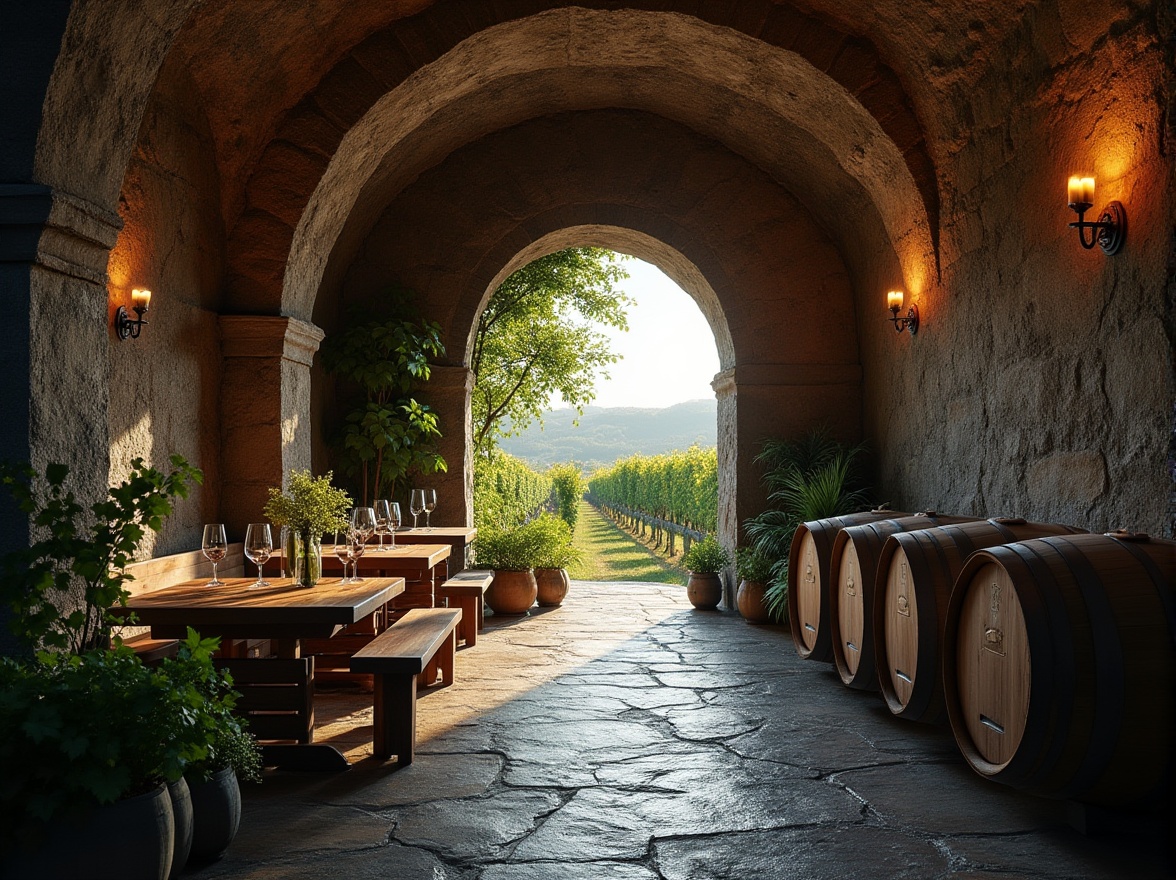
(382, 514)
(259, 546)
(363, 520)
(393, 520)
(215, 545)
(358, 545)
(430, 505)
(345, 551)
(416, 505)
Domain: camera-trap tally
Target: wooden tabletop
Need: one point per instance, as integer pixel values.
(438, 534)
(276, 612)
(411, 558)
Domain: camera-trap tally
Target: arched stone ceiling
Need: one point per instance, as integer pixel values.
(769, 105)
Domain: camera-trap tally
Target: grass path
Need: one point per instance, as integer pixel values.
(611, 554)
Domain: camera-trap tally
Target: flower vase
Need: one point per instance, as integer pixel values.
(306, 558)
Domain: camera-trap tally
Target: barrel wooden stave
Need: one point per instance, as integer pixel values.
(916, 571)
(808, 580)
(1099, 720)
(853, 570)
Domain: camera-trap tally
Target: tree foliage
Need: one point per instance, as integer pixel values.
(536, 339)
(389, 433)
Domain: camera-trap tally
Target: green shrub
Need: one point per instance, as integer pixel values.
(707, 556)
(553, 537)
(753, 565)
(515, 549)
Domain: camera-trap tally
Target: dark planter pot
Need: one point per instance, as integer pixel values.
(216, 813)
(704, 591)
(132, 839)
(512, 592)
(181, 801)
(750, 601)
(552, 586)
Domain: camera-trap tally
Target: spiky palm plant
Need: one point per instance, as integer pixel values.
(809, 478)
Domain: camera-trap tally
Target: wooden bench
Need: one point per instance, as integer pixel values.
(165, 571)
(423, 639)
(467, 591)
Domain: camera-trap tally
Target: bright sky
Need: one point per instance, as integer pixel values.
(669, 351)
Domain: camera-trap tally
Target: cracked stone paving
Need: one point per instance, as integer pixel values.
(626, 735)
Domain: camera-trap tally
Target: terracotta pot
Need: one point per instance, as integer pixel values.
(132, 839)
(704, 591)
(553, 586)
(512, 591)
(216, 813)
(750, 600)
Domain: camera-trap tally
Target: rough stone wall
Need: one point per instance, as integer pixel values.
(1040, 383)
(164, 385)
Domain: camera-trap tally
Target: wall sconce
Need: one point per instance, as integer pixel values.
(1109, 230)
(911, 322)
(124, 324)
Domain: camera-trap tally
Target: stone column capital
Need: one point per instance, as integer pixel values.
(269, 336)
(445, 378)
(57, 231)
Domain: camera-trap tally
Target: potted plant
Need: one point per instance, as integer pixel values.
(310, 508)
(90, 736)
(555, 552)
(232, 752)
(704, 560)
(754, 568)
(511, 553)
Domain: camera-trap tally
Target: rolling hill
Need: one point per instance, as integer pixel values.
(605, 434)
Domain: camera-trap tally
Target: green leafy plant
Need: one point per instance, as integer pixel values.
(811, 477)
(77, 731)
(553, 537)
(752, 564)
(311, 506)
(568, 487)
(507, 492)
(386, 361)
(61, 588)
(514, 549)
(707, 556)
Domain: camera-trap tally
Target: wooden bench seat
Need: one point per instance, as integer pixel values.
(422, 641)
(467, 591)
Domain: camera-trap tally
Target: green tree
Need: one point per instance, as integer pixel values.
(389, 433)
(536, 339)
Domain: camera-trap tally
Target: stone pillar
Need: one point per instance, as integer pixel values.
(54, 354)
(726, 394)
(264, 410)
(448, 393)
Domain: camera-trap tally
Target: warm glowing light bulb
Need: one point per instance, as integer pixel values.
(141, 299)
(1088, 190)
(894, 300)
(1080, 190)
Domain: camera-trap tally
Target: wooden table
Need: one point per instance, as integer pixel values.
(282, 612)
(459, 538)
(277, 695)
(424, 567)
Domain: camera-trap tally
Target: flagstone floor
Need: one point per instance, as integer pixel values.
(625, 735)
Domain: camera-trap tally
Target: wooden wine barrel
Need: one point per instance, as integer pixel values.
(916, 571)
(1060, 669)
(854, 568)
(808, 579)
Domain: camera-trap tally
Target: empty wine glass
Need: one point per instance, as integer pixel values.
(358, 545)
(382, 514)
(393, 521)
(259, 546)
(345, 551)
(215, 545)
(363, 520)
(416, 505)
(430, 505)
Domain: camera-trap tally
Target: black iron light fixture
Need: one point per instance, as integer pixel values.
(126, 326)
